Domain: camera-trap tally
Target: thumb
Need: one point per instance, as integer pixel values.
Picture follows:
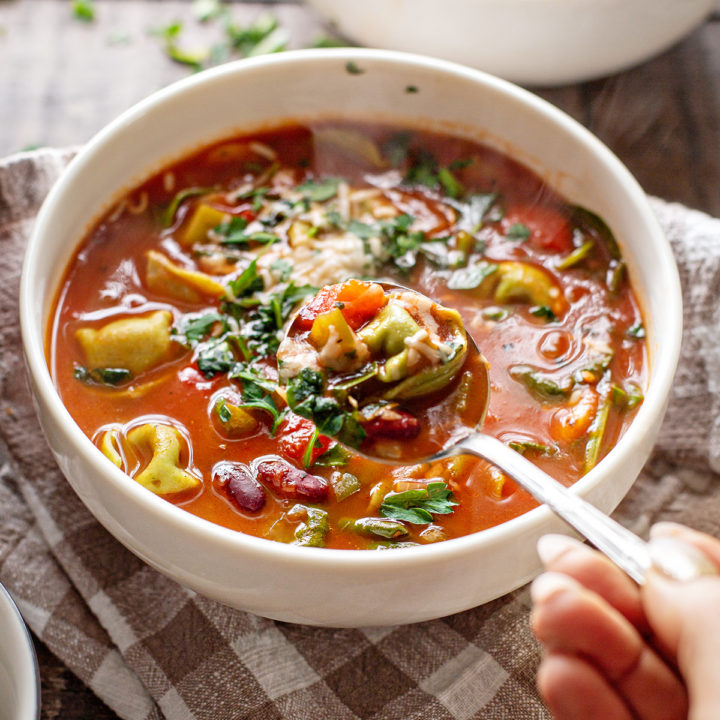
(685, 617)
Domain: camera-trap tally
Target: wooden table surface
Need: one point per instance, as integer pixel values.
(62, 79)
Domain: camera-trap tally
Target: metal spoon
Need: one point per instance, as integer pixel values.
(628, 551)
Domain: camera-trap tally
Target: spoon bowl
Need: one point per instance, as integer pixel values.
(624, 548)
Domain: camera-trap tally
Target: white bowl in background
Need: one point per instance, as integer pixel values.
(534, 42)
(324, 586)
(19, 679)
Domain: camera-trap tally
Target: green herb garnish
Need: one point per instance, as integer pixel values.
(472, 276)
(319, 190)
(194, 329)
(418, 506)
(83, 10)
(168, 215)
(102, 376)
(232, 233)
(305, 396)
(542, 311)
(517, 232)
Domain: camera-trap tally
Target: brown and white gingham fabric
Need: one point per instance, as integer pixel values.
(152, 649)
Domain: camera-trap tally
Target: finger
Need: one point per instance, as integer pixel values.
(560, 553)
(571, 619)
(572, 688)
(684, 617)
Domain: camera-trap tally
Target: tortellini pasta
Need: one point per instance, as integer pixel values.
(136, 343)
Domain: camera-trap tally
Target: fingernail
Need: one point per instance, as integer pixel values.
(548, 584)
(677, 559)
(551, 547)
(667, 529)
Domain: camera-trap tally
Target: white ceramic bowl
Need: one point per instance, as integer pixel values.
(19, 681)
(534, 42)
(340, 587)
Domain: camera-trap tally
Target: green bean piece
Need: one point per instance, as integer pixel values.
(523, 446)
(616, 276)
(382, 527)
(344, 485)
(576, 256)
(394, 545)
(597, 431)
(312, 532)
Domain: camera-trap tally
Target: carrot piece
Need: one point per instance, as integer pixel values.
(571, 422)
(361, 301)
(358, 301)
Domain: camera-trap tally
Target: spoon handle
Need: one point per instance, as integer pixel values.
(623, 547)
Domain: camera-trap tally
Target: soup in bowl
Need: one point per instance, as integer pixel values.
(186, 236)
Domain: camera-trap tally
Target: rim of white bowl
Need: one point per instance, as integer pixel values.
(653, 406)
(20, 653)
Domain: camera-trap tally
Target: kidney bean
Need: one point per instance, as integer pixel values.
(240, 485)
(291, 481)
(397, 424)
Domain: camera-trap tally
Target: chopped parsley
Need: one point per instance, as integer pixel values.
(223, 411)
(102, 376)
(352, 68)
(542, 311)
(232, 233)
(472, 276)
(419, 505)
(262, 36)
(305, 398)
(192, 329)
(319, 190)
(247, 282)
(482, 207)
(83, 10)
(257, 393)
(636, 331)
(216, 357)
(517, 232)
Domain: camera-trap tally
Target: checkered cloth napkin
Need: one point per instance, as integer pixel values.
(152, 649)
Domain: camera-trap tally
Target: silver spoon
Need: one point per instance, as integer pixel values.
(628, 551)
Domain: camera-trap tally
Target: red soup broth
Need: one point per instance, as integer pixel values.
(540, 285)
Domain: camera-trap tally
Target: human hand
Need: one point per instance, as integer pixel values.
(615, 651)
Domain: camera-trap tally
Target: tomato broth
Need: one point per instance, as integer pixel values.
(164, 332)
